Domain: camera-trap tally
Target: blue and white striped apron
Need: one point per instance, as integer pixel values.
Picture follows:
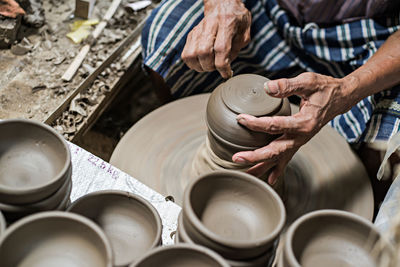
(279, 48)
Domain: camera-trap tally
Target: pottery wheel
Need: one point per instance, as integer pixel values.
(159, 150)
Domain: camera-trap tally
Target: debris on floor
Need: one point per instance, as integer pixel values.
(34, 66)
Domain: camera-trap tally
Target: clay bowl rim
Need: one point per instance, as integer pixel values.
(65, 215)
(128, 195)
(181, 236)
(288, 249)
(3, 224)
(57, 177)
(189, 212)
(195, 247)
(66, 188)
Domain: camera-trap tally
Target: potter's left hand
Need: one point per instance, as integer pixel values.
(323, 98)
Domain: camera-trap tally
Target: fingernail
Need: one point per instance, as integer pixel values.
(241, 120)
(272, 182)
(230, 74)
(271, 87)
(240, 160)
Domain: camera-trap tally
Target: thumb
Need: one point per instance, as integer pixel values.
(301, 85)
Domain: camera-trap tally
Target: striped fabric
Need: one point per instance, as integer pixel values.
(279, 49)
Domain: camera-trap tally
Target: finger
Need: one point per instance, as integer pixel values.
(260, 169)
(189, 55)
(222, 48)
(205, 52)
(270, 153)
(276, 173)
(275, 124)
(239, 41)
(237, 45)
(242, 36)
(302, 85)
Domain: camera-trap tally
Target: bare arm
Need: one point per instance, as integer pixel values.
(381, 72)
(323, 98)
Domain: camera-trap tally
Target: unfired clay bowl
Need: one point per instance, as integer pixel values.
(131, 223)
(331, 238)
(46, 204)
(182, 255)
(34, 161)
(55, 238)
(241, 94)
(266, 259)
(57, 201)
(233, 213)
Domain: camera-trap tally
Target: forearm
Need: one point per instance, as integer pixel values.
(381, 72)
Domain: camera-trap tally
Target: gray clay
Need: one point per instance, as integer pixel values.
(131, 223)
(181, 256)
(57, 201)
(34, 161)
(182, 236)
(331, 238)
(241, 94)
(233, 213)
(54, 238)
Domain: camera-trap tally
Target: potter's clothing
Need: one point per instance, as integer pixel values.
(279, 47)
(330, 12)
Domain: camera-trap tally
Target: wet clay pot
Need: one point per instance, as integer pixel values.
(241, 94)
(182, 255)
(55, 238)
(130, 222)
(233, 213)
(55, 202)
(331, 238)
(34, 161)
(265, 260)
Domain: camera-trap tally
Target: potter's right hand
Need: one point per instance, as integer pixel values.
(322, 99)
(216, 41)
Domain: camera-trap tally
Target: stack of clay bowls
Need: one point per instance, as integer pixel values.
(35, 169)
(181, 256)
(241, 94)
(235, 214)
(130, 222)
(334, 238)
(55, 238)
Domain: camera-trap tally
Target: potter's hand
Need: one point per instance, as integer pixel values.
(216, 41)
(323, 98)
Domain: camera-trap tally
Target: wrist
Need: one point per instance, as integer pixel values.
(350, 90)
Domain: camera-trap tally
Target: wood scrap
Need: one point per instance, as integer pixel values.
(92, 77)
(70, 72)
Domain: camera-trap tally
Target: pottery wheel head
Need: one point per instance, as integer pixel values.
(245, 94)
